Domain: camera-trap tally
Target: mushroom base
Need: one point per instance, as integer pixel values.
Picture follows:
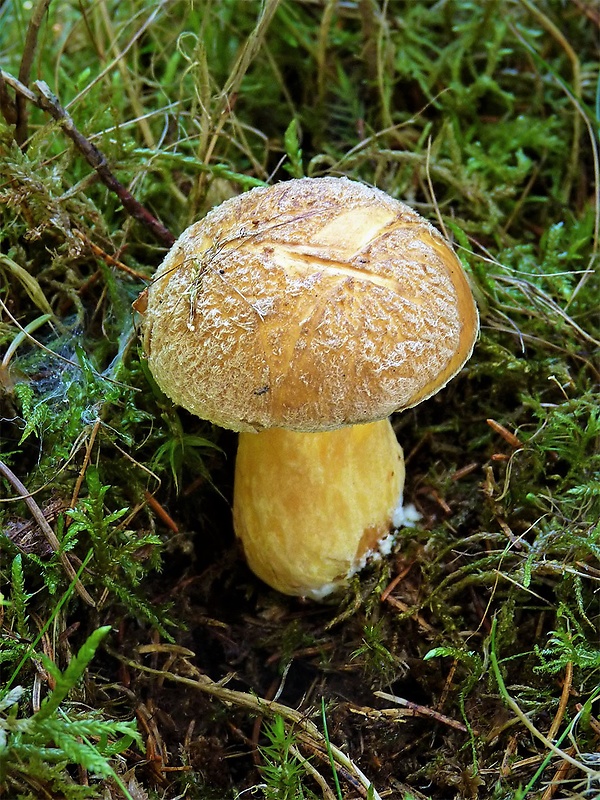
(310, 508)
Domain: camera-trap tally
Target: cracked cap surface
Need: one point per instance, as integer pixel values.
(311, 304)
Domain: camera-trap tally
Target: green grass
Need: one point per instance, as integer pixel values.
(484, 117)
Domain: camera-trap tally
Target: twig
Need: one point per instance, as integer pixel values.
(48, 102)
(41, 520)
(463, 471)
(564, 699)
(31, 38)
(161, 512)
(110, 260)
(327, 793)
(559, 776)
(320, 752)
(509, 437)
(86, 461)
(506, 767)
(307, 730)
(447, 685)
(405, 607)
(523, 717)
(416, 710)
(394, 582)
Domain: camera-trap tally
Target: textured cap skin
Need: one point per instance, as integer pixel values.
(311, 304)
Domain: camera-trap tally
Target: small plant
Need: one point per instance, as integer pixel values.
(293, 150)
(283, 769)
(116, 552)
(568, 646)
(38, 751)
(376, 659)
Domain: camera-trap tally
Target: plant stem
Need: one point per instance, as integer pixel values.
(522, 716)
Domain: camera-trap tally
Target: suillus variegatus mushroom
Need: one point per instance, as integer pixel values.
(303, 315)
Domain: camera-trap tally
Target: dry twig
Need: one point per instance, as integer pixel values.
(564, 699)
(411, 709)
(41, 520)
(308, 733)
(48, 102)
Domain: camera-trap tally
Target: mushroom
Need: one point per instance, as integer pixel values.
(303, 315)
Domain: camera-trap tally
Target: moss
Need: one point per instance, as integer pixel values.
(483, 116)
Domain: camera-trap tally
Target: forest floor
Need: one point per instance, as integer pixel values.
(140, 658)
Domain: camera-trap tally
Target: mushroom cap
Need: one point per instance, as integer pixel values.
(309, 305)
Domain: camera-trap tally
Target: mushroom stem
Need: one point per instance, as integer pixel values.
(310, 508)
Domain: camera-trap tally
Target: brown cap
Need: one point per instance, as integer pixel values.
(311, 304)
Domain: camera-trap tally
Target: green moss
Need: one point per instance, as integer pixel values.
(484, 117)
